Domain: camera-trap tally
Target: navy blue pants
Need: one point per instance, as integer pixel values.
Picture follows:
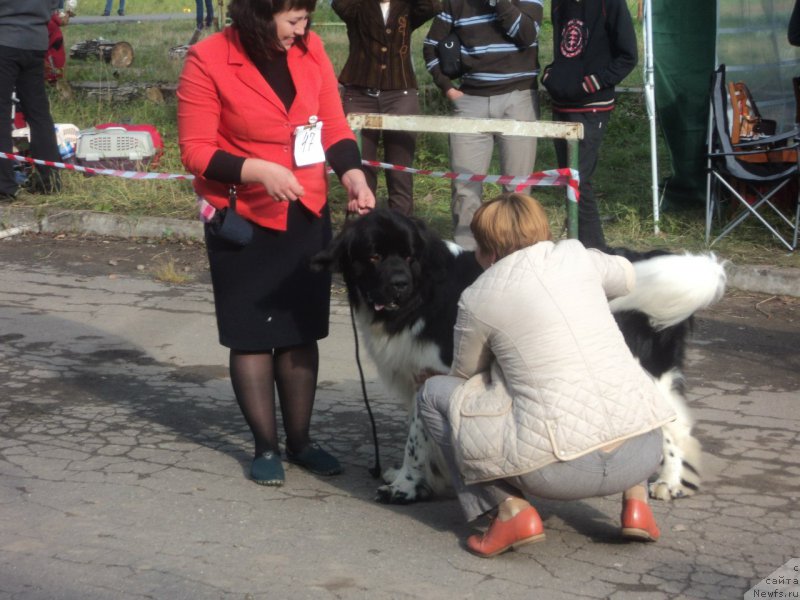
(590, 228)
(24, 70)
(209, 16)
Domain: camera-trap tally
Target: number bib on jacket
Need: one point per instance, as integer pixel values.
(308, 143)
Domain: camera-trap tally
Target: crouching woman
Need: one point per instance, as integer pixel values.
(544, 398)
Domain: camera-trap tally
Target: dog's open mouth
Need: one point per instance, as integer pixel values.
(388, 307)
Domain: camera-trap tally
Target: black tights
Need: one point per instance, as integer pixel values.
(255, 375)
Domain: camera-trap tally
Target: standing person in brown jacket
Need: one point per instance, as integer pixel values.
(378, 77)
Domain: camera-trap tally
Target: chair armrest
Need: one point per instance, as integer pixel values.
(794, 146)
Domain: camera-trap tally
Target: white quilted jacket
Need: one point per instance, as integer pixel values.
(549, 374)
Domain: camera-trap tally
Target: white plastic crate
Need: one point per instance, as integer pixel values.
(115, 147)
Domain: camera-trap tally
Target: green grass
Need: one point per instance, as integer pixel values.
(622, 182)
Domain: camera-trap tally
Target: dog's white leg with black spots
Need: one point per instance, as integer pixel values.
(680, 467)
(408, 483)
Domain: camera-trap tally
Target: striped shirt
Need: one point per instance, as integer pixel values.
(499, 44)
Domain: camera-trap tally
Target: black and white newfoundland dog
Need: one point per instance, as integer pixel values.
(404, 283)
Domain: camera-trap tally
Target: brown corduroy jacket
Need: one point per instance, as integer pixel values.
(380, 53)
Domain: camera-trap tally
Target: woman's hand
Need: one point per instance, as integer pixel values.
(360, 199)
(279, 181)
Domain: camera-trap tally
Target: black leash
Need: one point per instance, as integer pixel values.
(375, 471)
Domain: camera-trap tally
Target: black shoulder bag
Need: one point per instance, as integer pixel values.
(229, 225)
(449, 51)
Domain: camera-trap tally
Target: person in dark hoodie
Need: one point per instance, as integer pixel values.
(594, 49)
(793, 32)
(23, 45)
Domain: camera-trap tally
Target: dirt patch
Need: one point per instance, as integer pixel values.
(114, 257)
(766, 311)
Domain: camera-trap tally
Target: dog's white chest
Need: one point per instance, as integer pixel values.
(400, 356)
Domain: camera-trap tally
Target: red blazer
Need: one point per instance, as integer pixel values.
(225, 103)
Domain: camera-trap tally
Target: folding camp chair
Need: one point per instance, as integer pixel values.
(746, 175)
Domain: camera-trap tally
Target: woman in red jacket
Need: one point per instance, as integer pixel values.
(259, 113)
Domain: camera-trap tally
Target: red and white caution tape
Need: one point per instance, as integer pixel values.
(93, 171)
(565, 177)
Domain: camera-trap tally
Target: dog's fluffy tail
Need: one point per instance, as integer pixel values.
(671, 288)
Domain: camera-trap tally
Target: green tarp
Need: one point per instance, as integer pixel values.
(683, 58)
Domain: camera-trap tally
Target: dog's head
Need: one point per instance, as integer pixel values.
(388, 262)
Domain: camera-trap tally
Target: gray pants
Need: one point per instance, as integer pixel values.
(598, 473)
(472, 153)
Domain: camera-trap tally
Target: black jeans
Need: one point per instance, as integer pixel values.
(590, 229)
(24, 70)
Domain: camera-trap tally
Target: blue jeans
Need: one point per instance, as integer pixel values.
(109, 6)
(209, 13)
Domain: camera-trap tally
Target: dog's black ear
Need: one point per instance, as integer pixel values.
(327, 260)
(330, 259)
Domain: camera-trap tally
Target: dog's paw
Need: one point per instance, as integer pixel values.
(663, 490)
(406, 492)
(390, 475)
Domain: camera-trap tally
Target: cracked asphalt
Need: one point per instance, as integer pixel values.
(123, 459)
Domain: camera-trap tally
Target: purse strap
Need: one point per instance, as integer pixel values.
(232, 195)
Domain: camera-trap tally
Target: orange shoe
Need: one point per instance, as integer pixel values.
(523, 528)
(638, 522)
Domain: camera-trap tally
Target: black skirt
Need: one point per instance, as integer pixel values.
(265, 295)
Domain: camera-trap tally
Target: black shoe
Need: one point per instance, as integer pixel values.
(121, 13)
(266, 469)
(106, 14)
(315, 459)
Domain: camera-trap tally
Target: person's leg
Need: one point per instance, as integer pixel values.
(296, 377)
(209, 12)
(517, 154)
(296, 370)
(355, 100)
(590, 228)
(32, 93)
(469, 153)
(640, 456)
(600, 473)
(253, 380)
(433, 402)
(399, 149)
(121, 10)
(9, 70)
(199, 13)
(107, 9)
(516, 522)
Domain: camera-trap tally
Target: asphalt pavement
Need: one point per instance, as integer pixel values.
(123, 461)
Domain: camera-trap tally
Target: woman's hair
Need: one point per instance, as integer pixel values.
(255, 22)
(509, 223)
